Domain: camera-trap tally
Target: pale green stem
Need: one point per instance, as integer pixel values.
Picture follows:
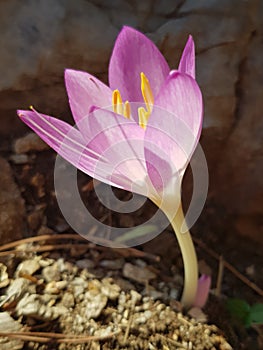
(189, 257)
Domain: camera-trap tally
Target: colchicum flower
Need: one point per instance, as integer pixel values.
(146, 123)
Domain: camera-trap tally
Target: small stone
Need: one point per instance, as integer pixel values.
(51, 273)
(68, 300)
(44, 262)
(16, 289)
(54, 287)
(153, 293)
(135, 296)
(59, 310)
(137, 274)
(95, 303)
(29, 305)
(197, 314)
(19, 158)
(140, 263)
(28, 267)
(4, 280)
(174, 293)
(85, 264)
(115, 264)
(124, 284)
(28, 143)
(148, 314)
(109, 289)
(250, 270)
(8, 325)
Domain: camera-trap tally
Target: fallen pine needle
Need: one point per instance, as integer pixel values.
(45, 337)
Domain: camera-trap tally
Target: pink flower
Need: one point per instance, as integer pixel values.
(204, 284)
(139, 132)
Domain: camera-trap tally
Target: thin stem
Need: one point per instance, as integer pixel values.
(189, 257)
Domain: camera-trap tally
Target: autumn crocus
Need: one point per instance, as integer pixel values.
(138, 133)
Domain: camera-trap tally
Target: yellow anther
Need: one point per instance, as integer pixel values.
(117, 102)
(147, 92)
(143, 117)
(127, 110)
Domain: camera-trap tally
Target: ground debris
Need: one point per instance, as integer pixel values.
(70, 307)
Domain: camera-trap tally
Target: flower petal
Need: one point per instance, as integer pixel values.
(84, 92)
(175, 122)
(203, 288)
(159, 170)
(187, 62)
(69, 143)
(134, 53)
(120, 141)
(181, 96)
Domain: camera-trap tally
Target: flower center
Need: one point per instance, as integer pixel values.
(125, 108)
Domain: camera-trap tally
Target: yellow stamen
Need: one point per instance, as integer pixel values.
(127, 110)
(117, 102)
(143, 117)
(147, 92)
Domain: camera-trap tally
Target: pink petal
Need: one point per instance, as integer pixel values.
(84, 92)
(204, 284)
(181, 96)
(187, 62)
(134, 53)
(120, 141)
(158, 168)
(69, 143)
(176, 120)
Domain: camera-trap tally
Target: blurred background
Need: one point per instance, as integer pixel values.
(40, 38)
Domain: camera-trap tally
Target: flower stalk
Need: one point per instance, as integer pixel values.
(189, 258)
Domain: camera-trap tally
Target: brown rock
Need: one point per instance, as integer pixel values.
(30, 142)
(12, 210)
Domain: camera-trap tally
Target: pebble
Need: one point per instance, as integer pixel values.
(8, 324)
(95, 303)
(85, 264)
(138, 274)
(54, 287)
(28, 267)
(29, 305)
(4, 280)
(28, 143)
(115, 264)
(51, 273)
(19, 159)
(16, 290)
(68, 300)
(109, 289)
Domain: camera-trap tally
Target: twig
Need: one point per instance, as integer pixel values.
(42, 238)
(4, 249)
(219, 276)
(43, 249)
(45, 337)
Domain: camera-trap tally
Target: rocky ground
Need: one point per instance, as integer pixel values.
(96, 299)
